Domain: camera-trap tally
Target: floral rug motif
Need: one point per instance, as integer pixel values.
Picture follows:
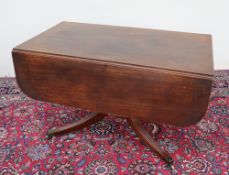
(111, 145)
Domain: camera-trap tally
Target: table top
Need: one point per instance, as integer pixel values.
(158, 49)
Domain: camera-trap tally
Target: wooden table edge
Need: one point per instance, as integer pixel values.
(118, 64)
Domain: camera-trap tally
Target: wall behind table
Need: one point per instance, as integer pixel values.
(21, 20)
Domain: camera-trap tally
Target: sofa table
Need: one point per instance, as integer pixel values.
(141, 74)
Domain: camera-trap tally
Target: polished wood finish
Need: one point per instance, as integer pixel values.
(147, 93)
(142, 74)
(178, 51)
(82, 123)
(144, 135)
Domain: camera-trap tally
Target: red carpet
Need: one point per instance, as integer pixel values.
(110, 146)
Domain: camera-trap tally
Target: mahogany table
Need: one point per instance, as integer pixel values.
(141, 74)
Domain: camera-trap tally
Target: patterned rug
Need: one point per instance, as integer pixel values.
(109, 146)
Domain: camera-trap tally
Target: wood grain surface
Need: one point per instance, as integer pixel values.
(153, 75)
(179, 51)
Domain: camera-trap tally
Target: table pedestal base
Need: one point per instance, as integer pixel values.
(94, 117)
